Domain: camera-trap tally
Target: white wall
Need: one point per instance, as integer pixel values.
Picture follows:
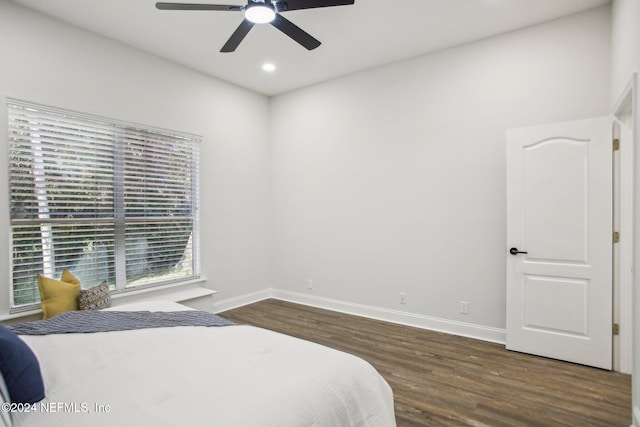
(393, 179)
(625, 43)
(46, 61)
(625, 59)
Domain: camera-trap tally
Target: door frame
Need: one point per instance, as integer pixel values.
(629, 223)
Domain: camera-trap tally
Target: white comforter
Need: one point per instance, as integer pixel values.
(197, 376)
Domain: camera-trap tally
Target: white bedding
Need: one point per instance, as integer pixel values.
(228, 376)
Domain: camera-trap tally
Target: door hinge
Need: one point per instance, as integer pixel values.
(616, 144)
(616, 237)
(616, 329)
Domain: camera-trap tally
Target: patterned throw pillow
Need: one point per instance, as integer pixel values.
(95, 298)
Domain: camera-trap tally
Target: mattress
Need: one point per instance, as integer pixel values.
(202, 376)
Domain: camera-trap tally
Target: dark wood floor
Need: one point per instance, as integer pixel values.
(445, 380)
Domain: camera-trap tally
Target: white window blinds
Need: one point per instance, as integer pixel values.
(106, 200)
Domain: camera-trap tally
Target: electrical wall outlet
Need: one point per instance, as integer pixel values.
(403, 298)
(464, 307)
(309, 284)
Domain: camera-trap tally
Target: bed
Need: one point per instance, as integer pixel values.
(234, 375)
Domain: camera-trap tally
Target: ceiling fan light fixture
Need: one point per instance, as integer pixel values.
(260, 13)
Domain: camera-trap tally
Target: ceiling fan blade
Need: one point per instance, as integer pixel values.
(237, 36)
(285, 5)
(194, 6)
(295, 32)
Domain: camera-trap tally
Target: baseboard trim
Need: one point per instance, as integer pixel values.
(469, 330)
(394, 316)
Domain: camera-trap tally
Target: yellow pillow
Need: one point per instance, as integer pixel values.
(57, 296)
(68, 277)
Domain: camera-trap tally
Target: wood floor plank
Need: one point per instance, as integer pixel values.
(445, 380)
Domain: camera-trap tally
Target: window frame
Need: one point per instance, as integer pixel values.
(121, 139)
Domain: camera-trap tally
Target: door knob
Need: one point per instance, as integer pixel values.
(515, 251)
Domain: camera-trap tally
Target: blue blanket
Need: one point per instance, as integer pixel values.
(89, 321)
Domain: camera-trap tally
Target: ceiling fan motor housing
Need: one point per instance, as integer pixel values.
(260, 12)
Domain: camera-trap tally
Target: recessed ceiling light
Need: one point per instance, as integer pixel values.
(269, 67)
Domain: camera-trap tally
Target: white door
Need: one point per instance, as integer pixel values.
(559, 217)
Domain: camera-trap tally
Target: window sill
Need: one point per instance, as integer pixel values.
(176, 292)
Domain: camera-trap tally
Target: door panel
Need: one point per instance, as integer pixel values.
(559, 211)
(564, 314)
(550, 235)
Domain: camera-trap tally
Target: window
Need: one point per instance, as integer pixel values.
(106, 200)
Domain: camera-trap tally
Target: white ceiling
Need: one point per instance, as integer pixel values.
(366, 34)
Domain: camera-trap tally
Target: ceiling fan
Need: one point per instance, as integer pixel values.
(263, 12)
